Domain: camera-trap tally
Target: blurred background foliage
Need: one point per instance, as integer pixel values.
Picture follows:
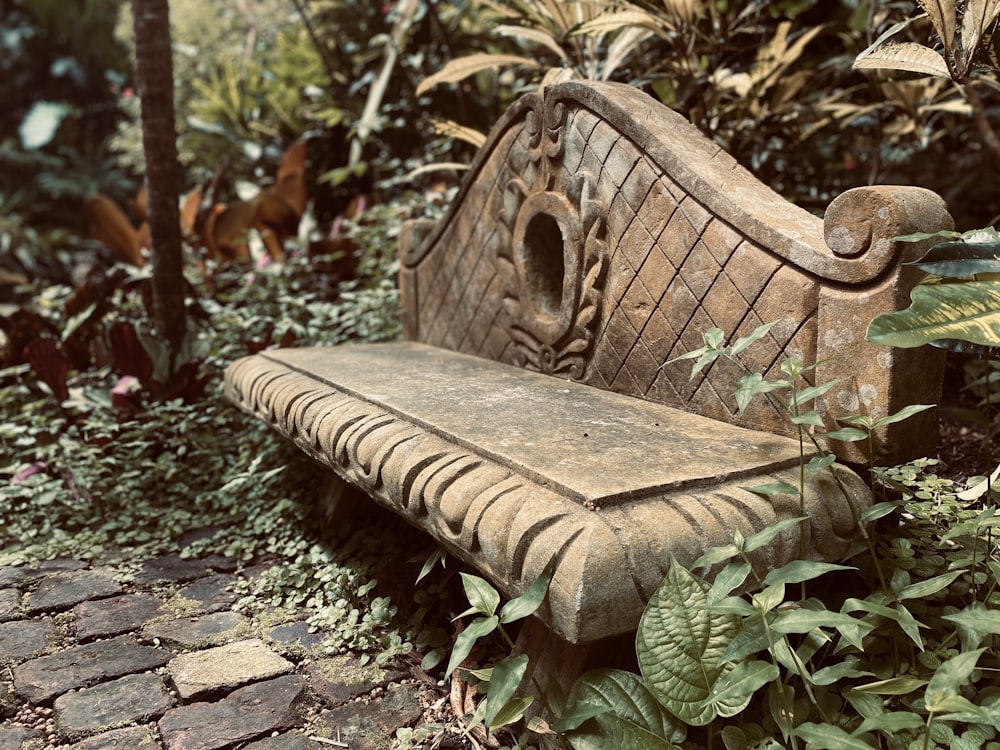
(384, 91)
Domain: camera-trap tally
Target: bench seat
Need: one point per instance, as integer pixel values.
(507, 468)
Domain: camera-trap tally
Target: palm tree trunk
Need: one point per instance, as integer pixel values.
(155, 82)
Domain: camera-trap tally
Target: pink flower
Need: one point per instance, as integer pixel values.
(28, 470)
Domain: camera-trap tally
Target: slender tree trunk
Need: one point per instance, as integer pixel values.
(155, 80)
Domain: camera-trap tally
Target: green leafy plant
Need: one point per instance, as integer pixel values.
(502, 706)
(899, 664)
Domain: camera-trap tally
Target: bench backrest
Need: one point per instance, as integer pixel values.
(598, 235)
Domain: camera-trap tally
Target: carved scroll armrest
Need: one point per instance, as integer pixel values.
(860, 228)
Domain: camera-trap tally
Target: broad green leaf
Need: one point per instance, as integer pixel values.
(511, 712)
(634, 720)
(923, 589)
(877, 511)
(729, 578)
(979, 489)
(753, 639)
(743, 343)
(905, 413)
(985, 621)
(967, 311)
(895, 721)
(906, 56)
(531, 599)
(752, 385)
(766, 535)
(867, 705)
(960, 259)
(439, 555)
(463, 67)
(481, 595)
(847, 669)
(506, 679)
(909, 625)
(773, 488)
(804, 620)
(769, 599)
(798, 571)
(734, 691)
(819, 464)
(732, 605)
(467, 639)
(716, 555)
(949, 677)
(680, 646)
(892, 686)
(845, 435)
(573, 716)
(809, 419)
(809, 394)
(829, 737)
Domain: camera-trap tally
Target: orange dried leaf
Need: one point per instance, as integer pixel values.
(110, 226)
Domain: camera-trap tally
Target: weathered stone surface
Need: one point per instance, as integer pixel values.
(246, 714)
(172, 569)
(130, 738)
(225, 667)
(199, 631)
(20, 640)
(63, 590)
(11, 576)
(210, 594)
(295, 635)
(114, 616)
(338, 679)
(372, 726)
(15, 576)
(287, 741)
(10, 601)
(15, 738)
(134, 698)
(44, 678)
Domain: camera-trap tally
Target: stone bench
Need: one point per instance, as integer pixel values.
(528, 415)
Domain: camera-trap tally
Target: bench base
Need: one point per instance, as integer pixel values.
(508, 469)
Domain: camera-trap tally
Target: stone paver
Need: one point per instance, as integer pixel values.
(115, 616)
(19, 640)
(372, 726)
(295, 636)
(10, 599)
(199, 632)
(46, 677)
(210, 593)
(245, 714)
(225, 667)
(63, 590)
(338, 679)
(93, 678)
(130, 738)
(13, 738)
(134, 698)
(175, 569)
(287, 741)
